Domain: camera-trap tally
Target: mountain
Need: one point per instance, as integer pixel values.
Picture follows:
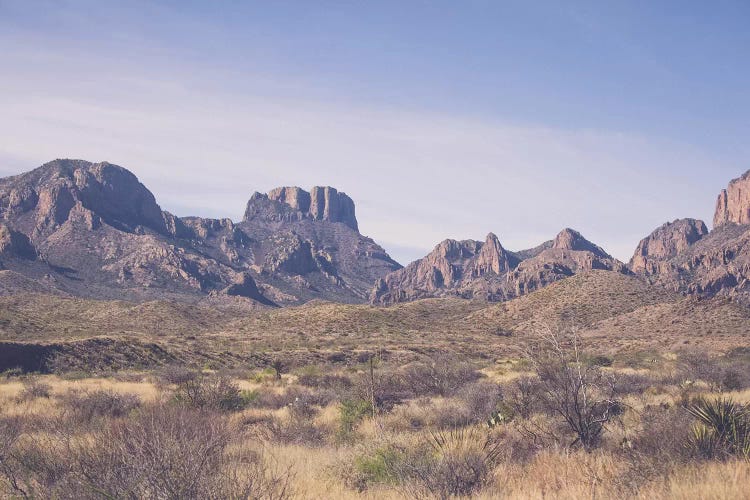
(93, 230)
(684, 256)
(485, 270)
(665, 243)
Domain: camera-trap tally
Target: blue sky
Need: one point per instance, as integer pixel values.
(441, 119)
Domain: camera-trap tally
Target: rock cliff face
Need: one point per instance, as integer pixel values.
(294, 204)
(665, 243)
(485, 270)
(685, 257)
(93, 229)
(733, 204)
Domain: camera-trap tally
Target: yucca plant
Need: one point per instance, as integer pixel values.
(723, 428)
(464, 461)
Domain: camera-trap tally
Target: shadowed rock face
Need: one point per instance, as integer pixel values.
(665, 243)
(294, 204)
(15, 244)
(93, 229)
(485, 270)
(733, 204)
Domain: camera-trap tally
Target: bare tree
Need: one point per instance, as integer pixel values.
(580, 393)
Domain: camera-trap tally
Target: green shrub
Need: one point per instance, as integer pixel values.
(352, 411)
(378, 467)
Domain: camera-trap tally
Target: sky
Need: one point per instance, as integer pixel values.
(441, 119)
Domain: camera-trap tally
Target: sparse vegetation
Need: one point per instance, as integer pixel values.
(429, 406)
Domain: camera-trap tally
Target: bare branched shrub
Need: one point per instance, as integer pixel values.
(170, 452)
(274, 400)
(699, 365)
(10, 431)
(583, 396)
(176, 375)
(216, 392)
(34, 389)
(480, 399)
(655, 447)
(440, 375)
(83, 407)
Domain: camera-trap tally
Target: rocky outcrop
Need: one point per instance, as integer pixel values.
(685, 257)
(92, 229)
(569, 239)
(486, 271)
(244, 285)
(665, 243)
(570, 254)
(733, 204)
(447, 270)
(44, 198)
(286, 204)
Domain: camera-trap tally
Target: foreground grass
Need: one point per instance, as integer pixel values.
(312, 432)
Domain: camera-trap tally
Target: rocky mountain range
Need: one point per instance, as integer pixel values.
(93, 230)
(485, 270)
(686, 257)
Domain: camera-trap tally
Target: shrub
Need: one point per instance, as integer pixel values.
(176, 374)
(600, 360)
(481, 400)
(34, 389)
(580, 394)
(735, 379)
(441, 375)
(215, 392)
(12, 373)
(85, 406)
(351, 412)
(171, 452)
(525, 396)
(457, 463)
(273, 400)
(379, 466)
(698, 365)
(10, 431)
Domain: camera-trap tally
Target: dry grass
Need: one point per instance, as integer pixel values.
(641, 328)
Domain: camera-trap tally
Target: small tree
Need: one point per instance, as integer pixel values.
(278, 368)
(582, 394)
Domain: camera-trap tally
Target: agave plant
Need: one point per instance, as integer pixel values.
(723, 428)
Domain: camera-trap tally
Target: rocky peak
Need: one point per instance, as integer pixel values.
(285, 204)
(665, 243)
(55, 189)
(569, 239)
(492, 258)
(733, 204)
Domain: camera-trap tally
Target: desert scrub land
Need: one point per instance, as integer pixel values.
(557, 421)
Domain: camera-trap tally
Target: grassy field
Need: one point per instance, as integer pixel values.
(371, 430)
(594, 387)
